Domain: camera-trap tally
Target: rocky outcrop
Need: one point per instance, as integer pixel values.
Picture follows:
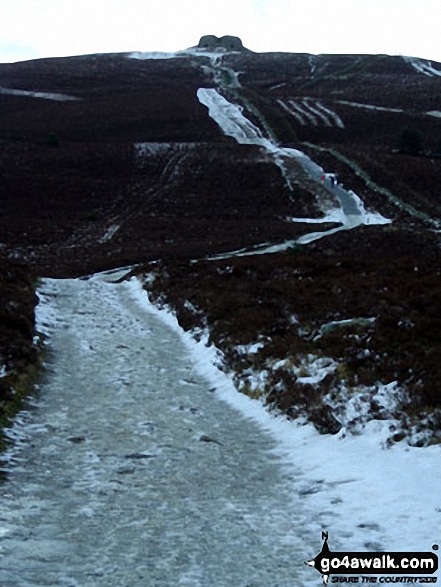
(227, 42)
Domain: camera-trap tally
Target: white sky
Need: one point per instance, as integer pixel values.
(46, 28)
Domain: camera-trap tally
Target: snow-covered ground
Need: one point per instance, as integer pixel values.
(311, 111)
(370, 106)
(233, 123)
(139, 463)
(145, 55)
(368, 496)
(43, 95)
(190, 52)
(129, 469)
(109, 234)
(423, 66)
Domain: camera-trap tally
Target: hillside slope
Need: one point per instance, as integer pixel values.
(112, 160)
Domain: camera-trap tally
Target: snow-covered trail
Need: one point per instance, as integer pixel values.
(233, 123)
(139, 464)
(130, 470)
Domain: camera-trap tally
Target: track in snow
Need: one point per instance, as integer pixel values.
(310, 111)
(130, 471)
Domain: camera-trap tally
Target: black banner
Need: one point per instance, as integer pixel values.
(373, 563)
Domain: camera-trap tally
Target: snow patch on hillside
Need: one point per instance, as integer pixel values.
(109, 234)
(368, 217)
(354, 407)
(313, 370)
(309, 110)
(190, 52)
(370, 106)
(152, 55)
(43, 95)
(231, 120)
(332, 215)
(335, 118)
(423, 66)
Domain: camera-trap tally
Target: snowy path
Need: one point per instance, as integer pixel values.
(233, 123)
(130, 471)
(141, 465)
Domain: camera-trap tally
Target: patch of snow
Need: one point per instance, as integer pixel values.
(44, 95)
(252, 381)
(294, 113)
(233, 123)
(332, 215)
(2, 371)
(278, 86)
(45, 315)
(353, 407)
(249, 349)
(293, 320)
(305, 110)
(314, 369)
(318, 112)
(364, 492)
(231, 120)
(233, 77)
(218, 53)
(279, 364)
(334, 116)
(350, 222)
(436, 113)
(149, 278)
(312, 62)
(263, 249)
(190, 52)
(112, 275)
(110, 232)
(190, 307)
(152, 55)
(313, 111)
(368, 217)
(423, 66)
(370, 106)
(390, 396)
(337, 323)
(374, 186)
(335, 215)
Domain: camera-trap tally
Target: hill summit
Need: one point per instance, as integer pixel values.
(226, 43)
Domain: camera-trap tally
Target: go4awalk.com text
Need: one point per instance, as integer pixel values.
(384, 580)
(406, 567)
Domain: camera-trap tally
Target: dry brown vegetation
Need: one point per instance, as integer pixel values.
(284, 300)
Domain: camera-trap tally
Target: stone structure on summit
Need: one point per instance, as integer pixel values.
(227, 42)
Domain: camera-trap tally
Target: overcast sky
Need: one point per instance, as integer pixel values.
(46, 28)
